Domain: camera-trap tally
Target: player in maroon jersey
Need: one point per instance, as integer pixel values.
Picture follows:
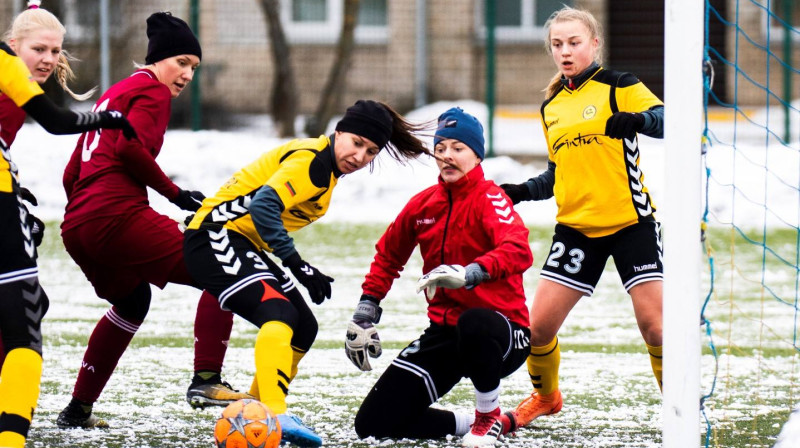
(120, 243)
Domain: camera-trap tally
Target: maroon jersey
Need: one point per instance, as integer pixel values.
(107, 174)
(11, 119)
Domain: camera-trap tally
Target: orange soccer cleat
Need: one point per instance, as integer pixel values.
(537, 405)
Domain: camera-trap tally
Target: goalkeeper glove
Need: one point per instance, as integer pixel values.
(362, 341)
(452, 276)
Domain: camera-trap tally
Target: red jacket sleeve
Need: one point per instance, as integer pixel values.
(149, 115)
(393, 250)
(509, 236)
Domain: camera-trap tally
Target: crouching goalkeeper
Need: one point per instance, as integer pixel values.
(475, 249)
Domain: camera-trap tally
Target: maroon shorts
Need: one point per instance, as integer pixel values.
(119, 253)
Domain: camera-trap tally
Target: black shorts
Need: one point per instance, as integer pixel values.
(226, 262)
(434, 356)
(577, 261)
(240, 275)
(17, 249)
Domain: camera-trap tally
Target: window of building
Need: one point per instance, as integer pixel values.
(320, 21)
(520, 20)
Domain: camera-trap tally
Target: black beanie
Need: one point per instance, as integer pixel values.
(368, 119)
(169, 36)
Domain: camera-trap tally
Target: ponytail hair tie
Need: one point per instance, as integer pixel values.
(34, 4)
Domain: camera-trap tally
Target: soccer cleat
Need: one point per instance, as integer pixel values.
(294, 431)
(75, 417)
(214, 392)
(487, 430)
(536, 406)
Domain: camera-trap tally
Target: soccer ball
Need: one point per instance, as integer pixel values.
(247, 424)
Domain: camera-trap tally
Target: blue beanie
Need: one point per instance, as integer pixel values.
(461, 126)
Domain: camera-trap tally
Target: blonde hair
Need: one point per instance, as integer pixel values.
(32, 20)
(568, 14)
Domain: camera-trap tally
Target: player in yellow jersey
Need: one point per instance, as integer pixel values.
(37, 35)
(287, 188)
(591, 117)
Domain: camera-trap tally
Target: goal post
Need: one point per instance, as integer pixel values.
(681, 216)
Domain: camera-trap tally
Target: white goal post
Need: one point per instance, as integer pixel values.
(681, 215)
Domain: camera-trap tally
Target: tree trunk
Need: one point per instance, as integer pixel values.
(335, 85)
(283, 98)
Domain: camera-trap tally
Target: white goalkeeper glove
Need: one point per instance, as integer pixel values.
(362, 340)
(452, 276)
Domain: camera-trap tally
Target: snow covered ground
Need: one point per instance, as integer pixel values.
(615, 401)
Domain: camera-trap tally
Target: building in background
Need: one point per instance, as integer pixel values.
(237, 71)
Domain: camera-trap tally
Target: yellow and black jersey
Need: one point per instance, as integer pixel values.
(599, 187)
(302, 175)
(15, 79)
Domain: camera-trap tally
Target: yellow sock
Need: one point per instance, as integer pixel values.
(19, 387)
(543, 364)
(655, 362)
(297, 355)
(273, 364)
(254, 388)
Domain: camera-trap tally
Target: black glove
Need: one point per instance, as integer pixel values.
(188, 200)
(517, 192)
(112, 119)
(624, 124)
(317, 283)
(26, 195)
(37, 229)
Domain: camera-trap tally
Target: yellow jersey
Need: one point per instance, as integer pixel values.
(303, 174)
(599, 187)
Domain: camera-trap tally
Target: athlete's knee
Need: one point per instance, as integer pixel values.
(135, 306)
(305, 332)
(368, 422)
(274, 309)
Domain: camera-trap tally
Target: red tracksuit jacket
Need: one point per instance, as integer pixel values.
(467, 221)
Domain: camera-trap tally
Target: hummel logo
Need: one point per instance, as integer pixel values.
(307, 270)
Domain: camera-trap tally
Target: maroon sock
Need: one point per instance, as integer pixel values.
(108, 342)
(212, 330)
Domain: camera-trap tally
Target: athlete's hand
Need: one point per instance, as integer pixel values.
(26, 195)
(362, 340)
(517, 192)
(624, 124)
(112, 119)
(450, 276)
(317, 283)
(188, 200)
(37, 229)
(474, 275)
